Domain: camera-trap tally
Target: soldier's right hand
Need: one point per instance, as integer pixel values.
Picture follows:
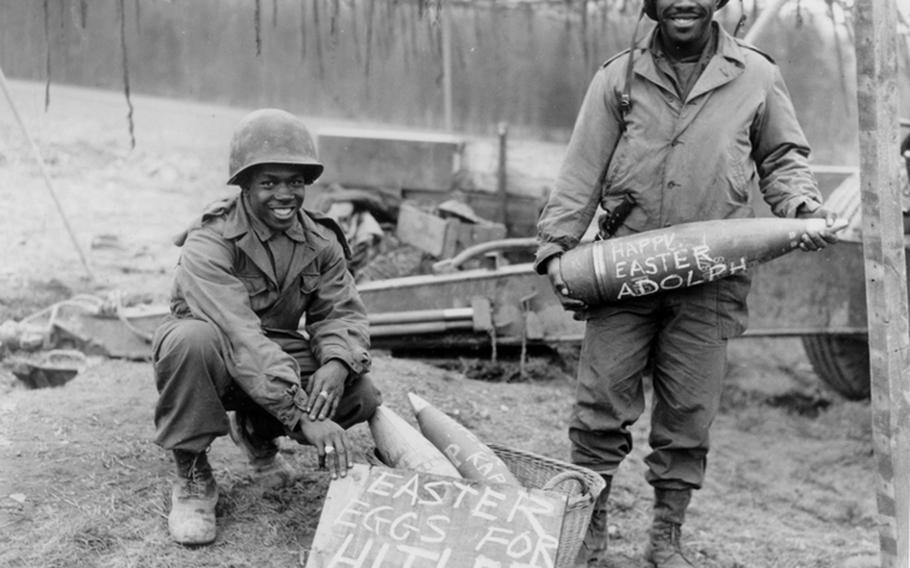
(331, 442)
(562, 290)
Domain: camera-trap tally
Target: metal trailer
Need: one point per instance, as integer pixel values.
(489, 295)
(478, 297)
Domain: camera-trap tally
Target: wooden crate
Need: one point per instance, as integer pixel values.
(442, 238)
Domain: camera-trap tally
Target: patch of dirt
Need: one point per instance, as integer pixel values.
(789, 476)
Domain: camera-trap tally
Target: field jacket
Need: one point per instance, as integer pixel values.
(225, 276)
(680, 160)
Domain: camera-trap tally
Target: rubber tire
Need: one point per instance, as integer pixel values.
(842, 362)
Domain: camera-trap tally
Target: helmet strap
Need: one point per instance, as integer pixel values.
(625, 98)
(742, 19)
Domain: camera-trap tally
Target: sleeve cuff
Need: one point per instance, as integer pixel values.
(358, 361)
(544, 254)
(802, 205)
(290, 416)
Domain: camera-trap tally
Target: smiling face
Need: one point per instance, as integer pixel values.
(275, 193)
(685, 24)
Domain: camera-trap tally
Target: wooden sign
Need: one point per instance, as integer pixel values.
(378, 517)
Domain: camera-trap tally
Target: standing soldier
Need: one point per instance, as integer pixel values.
(230, 359)
(677, 129)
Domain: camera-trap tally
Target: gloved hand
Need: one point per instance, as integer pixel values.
(562, 291)
(331, 442)
(818, 239)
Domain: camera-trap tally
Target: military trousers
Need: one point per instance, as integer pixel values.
(195, 390)
(679, 339)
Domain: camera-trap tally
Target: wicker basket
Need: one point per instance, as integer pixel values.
(581, 485)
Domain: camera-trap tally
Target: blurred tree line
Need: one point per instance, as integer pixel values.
(381, 61)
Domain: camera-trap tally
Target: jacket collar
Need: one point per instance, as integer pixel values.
(239, 221)
(727, 64)
(238, 226)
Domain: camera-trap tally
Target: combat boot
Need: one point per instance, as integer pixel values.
(664, 548)
(594, 546)
(193, 499)
(270, 469)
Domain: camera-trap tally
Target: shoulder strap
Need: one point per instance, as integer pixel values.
(751, 47)
(624, 98)
(212, 211)
(219, 208)
(614, 58)
(333, 226)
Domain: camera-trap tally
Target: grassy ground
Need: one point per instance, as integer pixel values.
(83, 484)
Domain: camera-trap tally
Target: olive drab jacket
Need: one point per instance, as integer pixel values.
(680, 160)
(225, 276)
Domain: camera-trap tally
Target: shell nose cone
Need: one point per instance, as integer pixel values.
(417, 403)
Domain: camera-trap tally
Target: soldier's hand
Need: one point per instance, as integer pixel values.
(817, 239)
(331, 442)
(562, 290)
(325, 388)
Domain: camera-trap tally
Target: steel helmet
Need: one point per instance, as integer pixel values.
(650, 7)
(272, 136)
(459, 209)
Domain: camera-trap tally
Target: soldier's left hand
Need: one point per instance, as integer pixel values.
(331, 443)
(562, 290)
(325, 388)
(820, 238)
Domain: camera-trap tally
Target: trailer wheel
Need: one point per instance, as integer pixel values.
(842, 362)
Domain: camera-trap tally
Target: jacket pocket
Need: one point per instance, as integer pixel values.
(739, 172)
(255, 283)
(309, 281)
(732, 309)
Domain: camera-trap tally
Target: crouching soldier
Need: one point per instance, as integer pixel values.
(230, 358)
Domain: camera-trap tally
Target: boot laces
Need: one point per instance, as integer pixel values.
(672, 534)
(198, 476)
(599, 516)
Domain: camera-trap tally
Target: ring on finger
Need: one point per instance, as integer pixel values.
(329, 448)
(323, 394)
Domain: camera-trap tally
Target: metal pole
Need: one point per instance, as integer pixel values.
(446, 65)
(502, 177)
(417, 316)
(420, 328)
(44, 174)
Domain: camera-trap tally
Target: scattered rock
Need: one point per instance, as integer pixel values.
(8, 381)
(452, 376)
(107, 241)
